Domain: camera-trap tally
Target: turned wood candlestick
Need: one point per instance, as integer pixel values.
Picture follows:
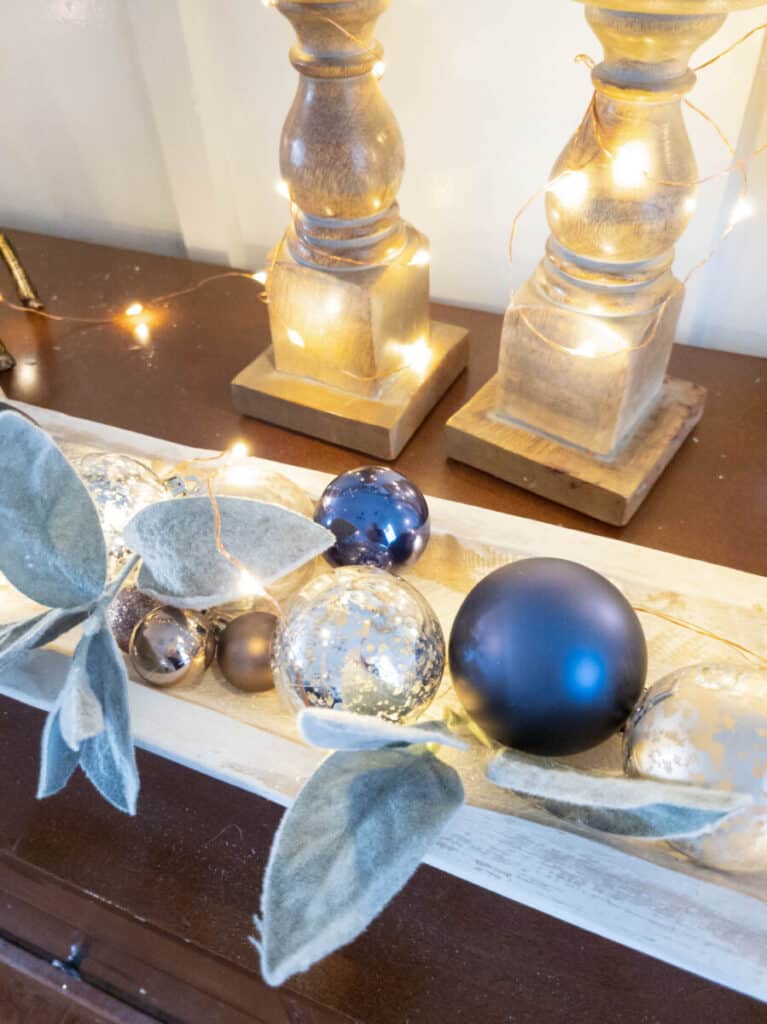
(581, 410)
(354, 356)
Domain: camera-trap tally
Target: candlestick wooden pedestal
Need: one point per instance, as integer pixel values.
(379, 426)
(354, 357)
(610, 490)
(579, 410)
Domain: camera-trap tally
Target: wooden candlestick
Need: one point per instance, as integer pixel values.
(354, 357)
(580, 410)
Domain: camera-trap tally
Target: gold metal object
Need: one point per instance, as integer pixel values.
(27, 294)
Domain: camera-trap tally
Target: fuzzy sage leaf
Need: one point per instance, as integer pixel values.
(51, 544)
(19, 637)
(90, 723)
(345, 730)
(183, 566)
(354, 836)
(640, 808)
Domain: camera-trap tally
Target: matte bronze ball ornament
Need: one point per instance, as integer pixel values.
(245, 651)
(171, 646)
(547, 656)
(706, 725)
(125, 612)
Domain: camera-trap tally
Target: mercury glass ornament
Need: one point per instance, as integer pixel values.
(378, 516)
(361, 640)
(245, 652)
(707, 725)
(171, 646)
(125, 612)
(120, 486)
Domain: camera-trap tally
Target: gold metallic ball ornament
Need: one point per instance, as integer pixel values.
(707, 725)
(171, 646)
(245, 652)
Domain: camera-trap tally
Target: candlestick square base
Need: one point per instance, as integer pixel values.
(380, 426)
(609, 490)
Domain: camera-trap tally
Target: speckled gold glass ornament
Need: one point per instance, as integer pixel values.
(171, 646)
(362, 640)
(707, 725)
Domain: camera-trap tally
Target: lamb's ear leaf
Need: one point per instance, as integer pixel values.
(182, 564)
(354, 836)
(345, 730)
(19, 637)
(620, 806)
(80, 713)
(109, 759)
(57, 759)
(92, 715)
(51, 543)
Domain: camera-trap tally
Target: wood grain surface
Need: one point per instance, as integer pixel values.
(163, 900)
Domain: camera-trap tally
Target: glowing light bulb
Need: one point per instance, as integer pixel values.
(690, 204)
(422, 258)
(135, 309)
(283, 189)
(742, 210)
(379, 69)
(631, 165)
(417, 356)
(586, 349)
(295, 338)
(141, 333)
(239, 451)
(248, 584)
(571, 189)
(333, 305)
(260, 276)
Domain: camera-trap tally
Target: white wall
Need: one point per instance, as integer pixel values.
(154, 124)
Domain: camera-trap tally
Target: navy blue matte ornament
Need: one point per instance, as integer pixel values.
(547, 656)
(378, 516)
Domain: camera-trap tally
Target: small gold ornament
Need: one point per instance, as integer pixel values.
(707, 725)
(245, 651)
(171, 646)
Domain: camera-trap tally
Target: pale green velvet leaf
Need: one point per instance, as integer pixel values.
(354, 836)
(640, 808)
(51, 544)
(57, 759)
(92, 711)
(346, 730)
(109, 759)
(19, 637)
(183, 566)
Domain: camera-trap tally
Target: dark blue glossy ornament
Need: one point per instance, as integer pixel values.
(547, 656)
(378, 516)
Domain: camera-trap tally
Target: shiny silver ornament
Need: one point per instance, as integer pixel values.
(120, 486)
(171, 646)
(125, 612)
(707, 725)
(362, 640)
